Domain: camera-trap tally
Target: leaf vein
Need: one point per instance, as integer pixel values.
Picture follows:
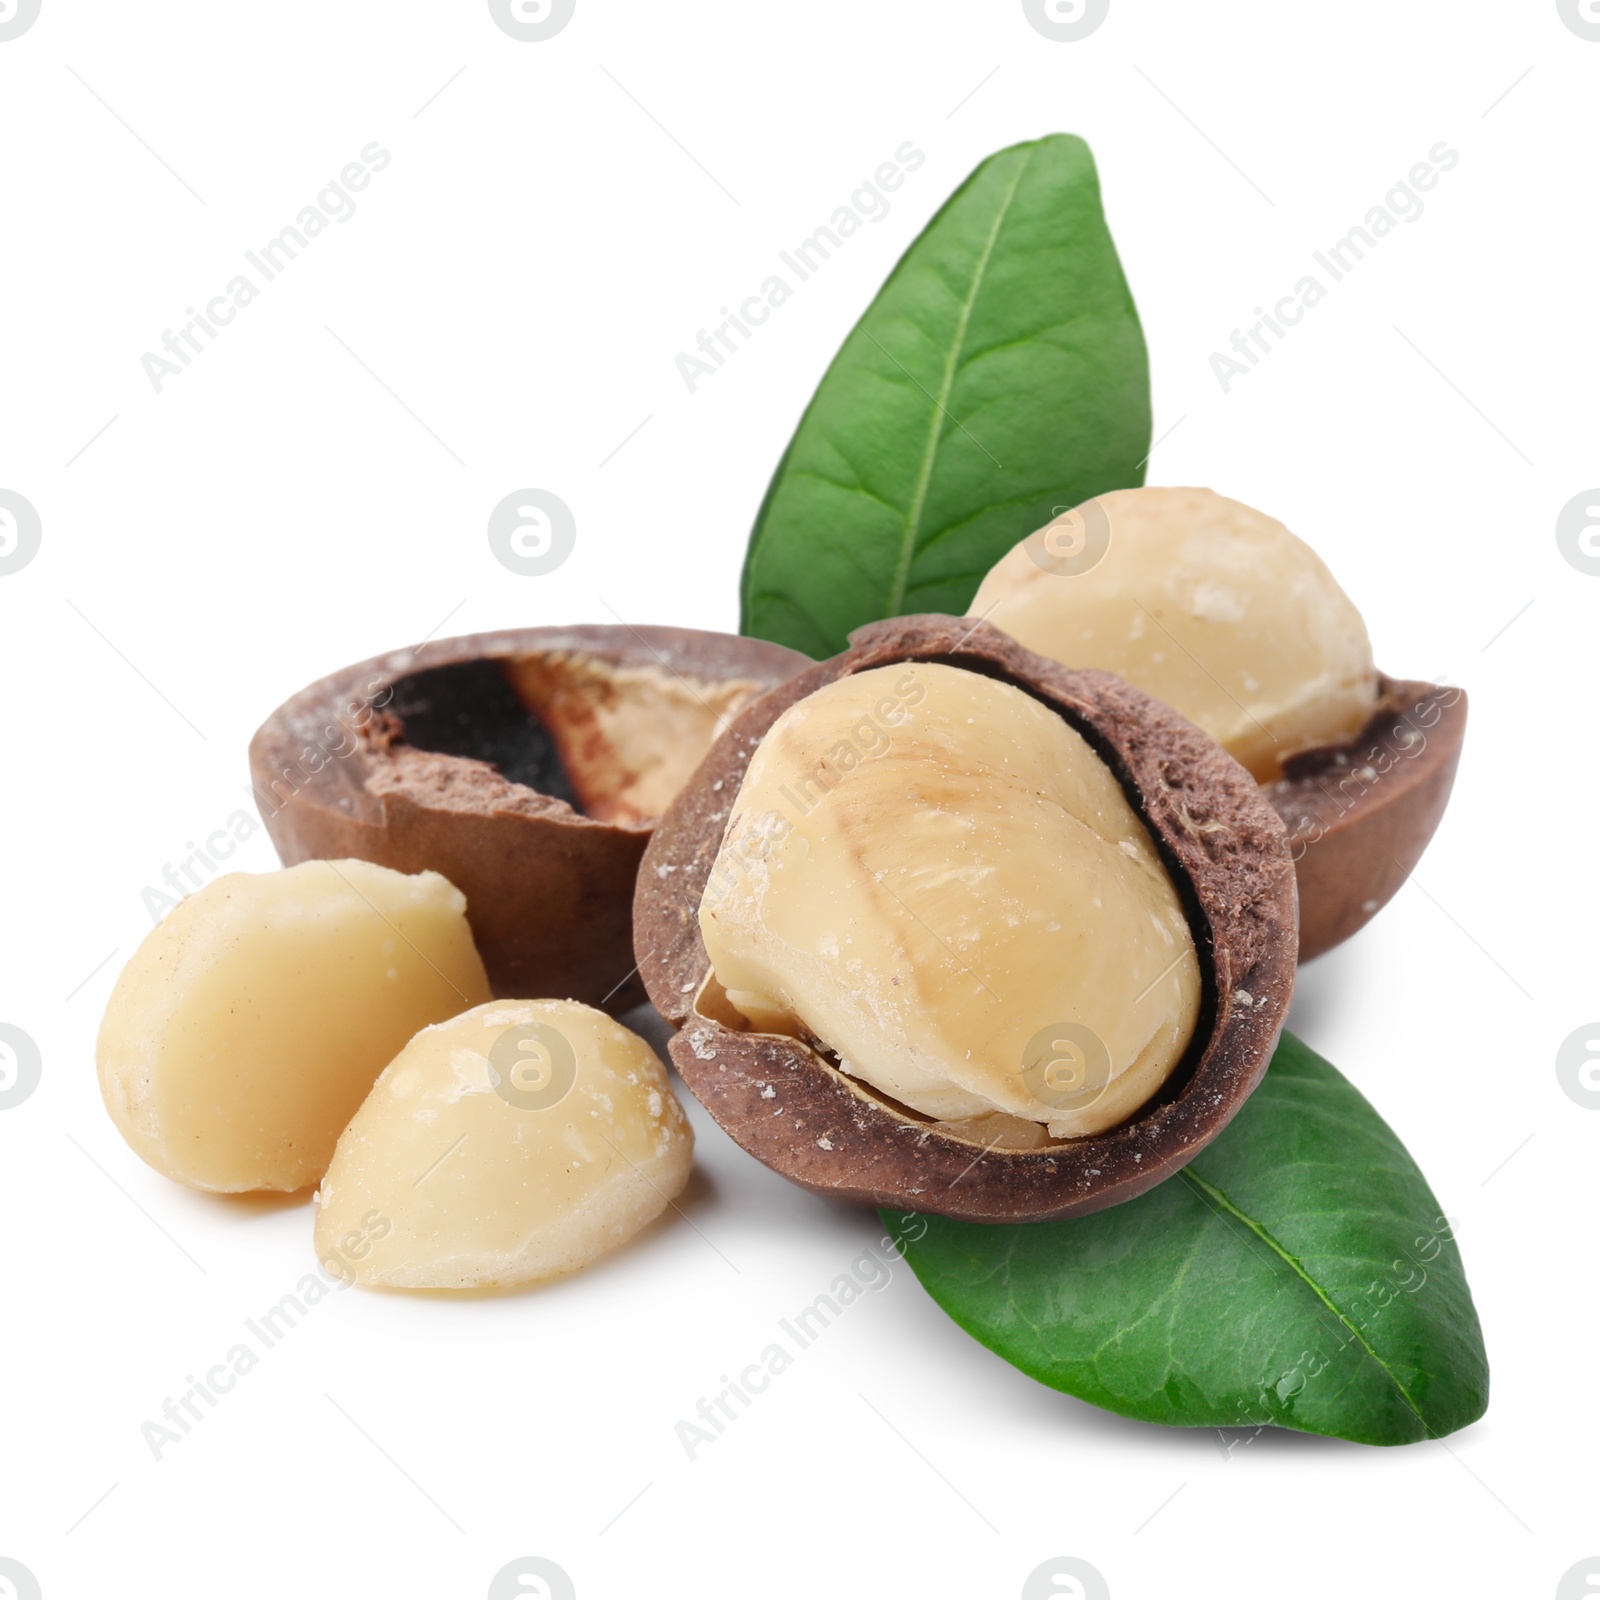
(1221, 1200)
(908, 543)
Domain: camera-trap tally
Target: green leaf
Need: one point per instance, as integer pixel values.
(998, 378)
(1297, 1272)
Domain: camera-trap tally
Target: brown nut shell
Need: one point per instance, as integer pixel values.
(1360, 815)
(790, 1107)
(526, 766)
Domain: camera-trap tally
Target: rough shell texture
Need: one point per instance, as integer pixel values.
(1359, 816)
(791, 1108)
(548, 889)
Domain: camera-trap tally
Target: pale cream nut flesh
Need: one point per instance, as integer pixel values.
(252, 1021)
(1207, 604)
(929, 873)
(518, 1142)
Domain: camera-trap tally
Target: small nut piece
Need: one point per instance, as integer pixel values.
(252, 1021)
(934, 877)
(1203, 602)
(517, 1142)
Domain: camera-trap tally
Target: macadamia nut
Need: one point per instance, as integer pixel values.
(517, 1142)
(1203, 602)
(934, 876)
(253, 1020)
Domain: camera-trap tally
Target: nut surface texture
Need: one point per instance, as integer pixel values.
(252, 1021)
(1224, 614)
(934, 877)
(527, 766)
(1205, 603)
(516, 1142)
(789, 1103)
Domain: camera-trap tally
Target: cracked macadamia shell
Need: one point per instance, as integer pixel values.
(1360, 815)
(252, 1021)
(526, 766)
(519, 1141)
(787, 1103)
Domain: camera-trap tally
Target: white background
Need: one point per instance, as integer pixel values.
(503, 311)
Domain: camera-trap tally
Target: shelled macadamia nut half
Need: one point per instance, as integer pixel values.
(516, 1142)
(1015, 944)
(527, 766)
(252, 1021)
(1220, 611)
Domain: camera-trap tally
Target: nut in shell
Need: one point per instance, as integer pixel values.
(814, 1114)
(1220, 611)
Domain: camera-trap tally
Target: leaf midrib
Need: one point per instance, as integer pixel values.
(1292, 1262)
(908, 541)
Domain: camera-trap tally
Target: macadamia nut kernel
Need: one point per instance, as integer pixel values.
(517, 1142)
(250, 1024)
(1203, 602)
(934, 877)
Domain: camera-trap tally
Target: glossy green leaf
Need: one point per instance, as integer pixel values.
(1297, 1272)
(998, 378)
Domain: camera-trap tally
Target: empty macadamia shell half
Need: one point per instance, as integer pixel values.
(527, 766)
(1359, 815)
(791, 1107)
